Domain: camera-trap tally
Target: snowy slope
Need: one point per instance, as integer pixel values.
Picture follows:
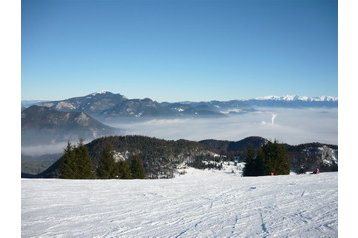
(197, 204)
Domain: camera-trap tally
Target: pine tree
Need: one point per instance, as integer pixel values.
(67, 168)
(283, 166)
(250, 163)
(254, 164)
(83, 162)
(76, 163)
(136, 167)
(272, 158)
(107, 167)
(260, 164)
(123, 170)
(276, 159)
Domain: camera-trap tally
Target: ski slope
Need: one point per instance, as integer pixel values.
(197, 204)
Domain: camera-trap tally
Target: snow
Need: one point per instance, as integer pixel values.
(230, 167)
(139, 115)
(65, 105)
(300, 98)
(233, 110)
(197, 204)
(100, 92)
(47, 104)
(118, 156)
(82, 119)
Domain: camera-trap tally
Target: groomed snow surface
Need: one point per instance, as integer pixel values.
(197, 204)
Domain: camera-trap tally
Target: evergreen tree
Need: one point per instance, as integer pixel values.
(254, 164)
(67, 168)
(272, 158)
(106, 165)
(136, 167)
(260, 164)
(83, 162)
(275, 159)
(283, 160)
(123, 170)
(250, 163)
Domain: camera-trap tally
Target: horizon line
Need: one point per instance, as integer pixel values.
(290, 97)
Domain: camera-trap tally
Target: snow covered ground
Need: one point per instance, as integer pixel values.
(197, 204)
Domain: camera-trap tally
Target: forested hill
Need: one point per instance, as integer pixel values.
(234, 148)
(160, 157)
(305, 157)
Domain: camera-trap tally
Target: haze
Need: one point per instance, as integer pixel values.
(293, 126)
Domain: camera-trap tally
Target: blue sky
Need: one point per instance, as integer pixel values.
(171, 50)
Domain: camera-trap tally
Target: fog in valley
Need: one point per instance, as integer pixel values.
(50, 148)
(292, 126)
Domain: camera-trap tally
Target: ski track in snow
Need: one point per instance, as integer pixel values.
(198, 204)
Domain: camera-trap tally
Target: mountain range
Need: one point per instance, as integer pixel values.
(51, 122)
(108, 106)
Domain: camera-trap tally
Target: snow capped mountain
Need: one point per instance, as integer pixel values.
(109, 106)
(325, 98)
(92, 104)
(100, 92)
(299, 98)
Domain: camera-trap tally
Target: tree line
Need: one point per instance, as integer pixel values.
(76, 164)
(271, 159)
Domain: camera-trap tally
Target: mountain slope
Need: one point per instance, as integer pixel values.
(92, 104)
(42, 125)
(197, 204)
(33, 165)
(137, 108)
(309, 156)
(303, 157)
(108, 106)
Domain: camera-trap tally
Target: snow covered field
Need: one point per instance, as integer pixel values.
(197, 204)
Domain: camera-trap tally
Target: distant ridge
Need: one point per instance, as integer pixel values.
(43, 125)
(105, 105)
(287, 97)
(300, 98)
